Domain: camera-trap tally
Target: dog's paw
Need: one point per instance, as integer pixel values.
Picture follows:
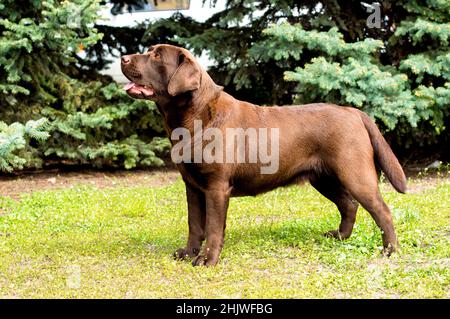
(204, 260)
(334, 234)
(183, 253)
(180, 254)
(389, 250)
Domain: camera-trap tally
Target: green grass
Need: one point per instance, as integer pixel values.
(120, 243)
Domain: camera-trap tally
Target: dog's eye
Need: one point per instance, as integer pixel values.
(156, 55)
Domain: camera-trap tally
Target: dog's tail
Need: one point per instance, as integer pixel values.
(384, 155)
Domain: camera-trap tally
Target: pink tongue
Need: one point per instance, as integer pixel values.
(146, 90)
(128, 86)
(143, 89)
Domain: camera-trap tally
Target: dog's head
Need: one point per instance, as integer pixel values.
(163, 72)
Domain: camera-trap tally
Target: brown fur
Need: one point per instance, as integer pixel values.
(336, 148)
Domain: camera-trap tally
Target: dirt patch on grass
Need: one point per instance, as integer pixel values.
(55, 179)
(419, 184)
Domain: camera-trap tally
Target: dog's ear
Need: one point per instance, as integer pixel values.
(186, 77)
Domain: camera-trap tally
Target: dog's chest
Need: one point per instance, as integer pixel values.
(193, 174)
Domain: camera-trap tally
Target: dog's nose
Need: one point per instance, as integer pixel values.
(125, 59)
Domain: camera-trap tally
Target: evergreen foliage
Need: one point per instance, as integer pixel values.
(15, 138)
(91, 120)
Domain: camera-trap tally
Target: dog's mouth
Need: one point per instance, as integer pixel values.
(134, 88)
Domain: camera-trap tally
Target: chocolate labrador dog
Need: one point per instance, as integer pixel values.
(339, 150)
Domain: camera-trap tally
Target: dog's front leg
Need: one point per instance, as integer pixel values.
(216, 212)
(196, 219)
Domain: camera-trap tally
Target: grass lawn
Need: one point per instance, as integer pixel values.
(118, 242)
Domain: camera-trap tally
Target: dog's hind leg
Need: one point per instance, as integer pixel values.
(331, 188)
(362, 183)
